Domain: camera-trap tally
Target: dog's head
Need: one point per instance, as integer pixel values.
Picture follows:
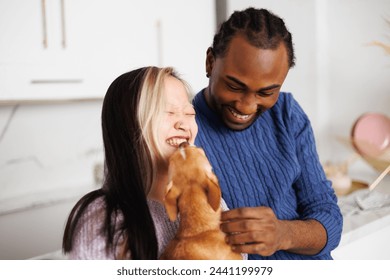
(189, 168)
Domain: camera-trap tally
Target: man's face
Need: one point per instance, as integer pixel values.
(245, 82)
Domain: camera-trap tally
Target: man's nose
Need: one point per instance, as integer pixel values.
(248, 104)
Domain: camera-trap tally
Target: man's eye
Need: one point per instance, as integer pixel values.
(233, 87)
(265, 93)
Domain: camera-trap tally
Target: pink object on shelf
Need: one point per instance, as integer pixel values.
(371, 134)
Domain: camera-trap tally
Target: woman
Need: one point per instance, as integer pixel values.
(146, 114)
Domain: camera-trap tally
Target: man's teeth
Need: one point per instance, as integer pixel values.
(176, 141)
(238, 116)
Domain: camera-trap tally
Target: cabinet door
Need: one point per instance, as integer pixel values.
(21, 31)
(110, 37)
(34, 62)
(60, 49)
(21, 37)
(56, 49)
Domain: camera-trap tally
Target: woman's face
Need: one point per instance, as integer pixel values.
(178, 124)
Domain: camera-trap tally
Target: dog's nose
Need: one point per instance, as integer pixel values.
(184, 145)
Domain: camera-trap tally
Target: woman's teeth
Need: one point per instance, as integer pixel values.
(238, 116)
(176, 141)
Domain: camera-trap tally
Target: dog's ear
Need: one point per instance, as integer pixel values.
(213, 191)
(171, 200)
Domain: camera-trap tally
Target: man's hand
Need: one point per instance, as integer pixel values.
(253, 230)
(257, 230)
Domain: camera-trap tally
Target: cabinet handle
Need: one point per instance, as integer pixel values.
(57, 81)
(44, 24)
(63, 29)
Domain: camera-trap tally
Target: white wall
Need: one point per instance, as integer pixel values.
(48, 147)
(358, 74)
(47, 156)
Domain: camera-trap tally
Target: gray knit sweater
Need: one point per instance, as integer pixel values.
(89, 243)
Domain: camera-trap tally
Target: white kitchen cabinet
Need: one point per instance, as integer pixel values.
(65, 49)
(86, 43)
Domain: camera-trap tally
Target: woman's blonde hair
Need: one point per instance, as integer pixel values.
(151, 107)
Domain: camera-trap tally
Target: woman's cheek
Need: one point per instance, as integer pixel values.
(194, 131)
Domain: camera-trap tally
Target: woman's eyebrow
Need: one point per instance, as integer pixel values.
(179, 107)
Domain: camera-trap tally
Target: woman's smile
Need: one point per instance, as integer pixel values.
(177, 140)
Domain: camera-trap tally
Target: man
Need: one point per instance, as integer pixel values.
(261, 145)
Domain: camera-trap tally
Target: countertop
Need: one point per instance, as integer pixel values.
(366, 227)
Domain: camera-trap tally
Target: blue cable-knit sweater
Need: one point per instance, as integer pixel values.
(272, 163)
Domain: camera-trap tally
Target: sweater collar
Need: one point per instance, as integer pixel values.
(203, 108)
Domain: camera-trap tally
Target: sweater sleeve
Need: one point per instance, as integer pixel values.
(316, 196)
(89, 241)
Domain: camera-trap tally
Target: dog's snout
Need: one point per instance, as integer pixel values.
(184, 145)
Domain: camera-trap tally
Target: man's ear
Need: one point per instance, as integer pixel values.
(213, 191)
(209, 61)
(171, 200)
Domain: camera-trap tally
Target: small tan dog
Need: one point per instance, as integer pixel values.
(194, 192)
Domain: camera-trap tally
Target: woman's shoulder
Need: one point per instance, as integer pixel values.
(89, 238)
(94, 213)
(96, 209)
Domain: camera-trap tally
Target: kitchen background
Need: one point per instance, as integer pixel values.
(58, 57)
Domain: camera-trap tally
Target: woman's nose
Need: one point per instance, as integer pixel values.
(181, 125)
